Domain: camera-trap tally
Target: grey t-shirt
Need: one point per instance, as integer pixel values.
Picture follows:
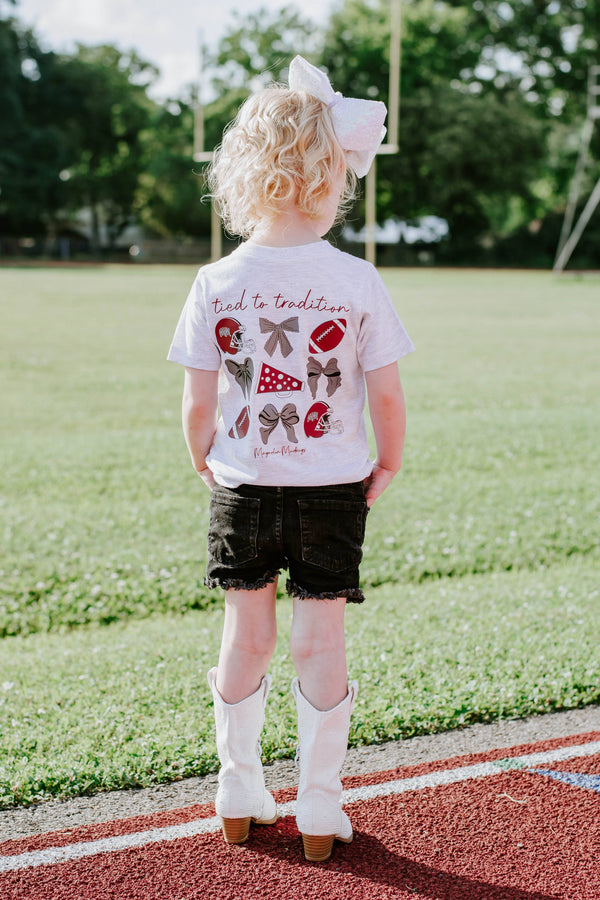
(293, 331)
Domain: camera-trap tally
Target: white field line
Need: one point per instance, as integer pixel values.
(53, 855)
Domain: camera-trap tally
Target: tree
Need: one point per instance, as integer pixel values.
(464, 153)
(546, 49)
(258, 48)
(71, 129)
(543, 46)
(32, 148)
(170, 188)
(254, 52)
(105, 112)
(468, 161)
(493, 96)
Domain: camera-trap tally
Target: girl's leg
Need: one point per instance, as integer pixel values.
(240, 688)
(249, 636)
(318, 648)
(324, 701)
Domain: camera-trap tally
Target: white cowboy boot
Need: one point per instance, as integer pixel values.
(323, 741)
(241, 795)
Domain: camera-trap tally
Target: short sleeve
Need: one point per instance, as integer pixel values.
(382, 338)
(193, 345)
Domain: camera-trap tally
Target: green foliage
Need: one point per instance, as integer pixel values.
(168, 198)
(138, 726)
(546, 48)
(105, 91)
(255, 51)
(33, 149)
(465, 159)
(464, 153)
(258, 47)
(71, 133)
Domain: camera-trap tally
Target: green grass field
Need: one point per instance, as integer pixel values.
(482, 561)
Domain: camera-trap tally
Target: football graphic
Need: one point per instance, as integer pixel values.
(242, 423)
(327, 336)
(272, 381)
(318, 421)
(229, 333)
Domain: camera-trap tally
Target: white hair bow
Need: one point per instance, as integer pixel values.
(358, 124)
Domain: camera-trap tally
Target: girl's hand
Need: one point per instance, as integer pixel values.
(207, 477)
(377, 482)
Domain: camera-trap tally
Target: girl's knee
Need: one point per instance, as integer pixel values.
(250, 622)
(317, 629)
(305, 643)
(257, 641)
(254, 645)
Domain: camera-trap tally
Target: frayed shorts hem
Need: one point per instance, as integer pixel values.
(352, 595)
(240, 584)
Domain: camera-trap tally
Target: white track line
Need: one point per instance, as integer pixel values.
(54, 855)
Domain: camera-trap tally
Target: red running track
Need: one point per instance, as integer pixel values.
(519, 824)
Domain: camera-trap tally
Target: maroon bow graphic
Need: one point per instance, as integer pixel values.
(314, 370)
(270, 417)
(278, 335)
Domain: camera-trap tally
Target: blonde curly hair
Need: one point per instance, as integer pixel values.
(280, 147)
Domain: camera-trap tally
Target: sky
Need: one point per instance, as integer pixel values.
(165, 33)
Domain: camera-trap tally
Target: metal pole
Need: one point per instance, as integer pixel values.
(588, 127)
(198, 126)
(395, 70)
(391, 145)
(202, 155)
(198, 105)
(569, 239)
(371, 213)
(584, 218)
(216, 234)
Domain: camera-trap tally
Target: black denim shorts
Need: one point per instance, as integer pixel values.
(316, 533)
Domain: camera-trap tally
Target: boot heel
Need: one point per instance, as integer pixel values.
(235, 831)
(317, 847)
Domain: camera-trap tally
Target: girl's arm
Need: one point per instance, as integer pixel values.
(199, 416)
(388, 416)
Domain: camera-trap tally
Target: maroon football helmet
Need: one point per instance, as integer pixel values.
(229, 333)
(318, 421)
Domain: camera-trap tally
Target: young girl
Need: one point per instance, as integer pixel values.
(283, 335)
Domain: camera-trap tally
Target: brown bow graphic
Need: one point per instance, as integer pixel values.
(314, 370)
(270, 417)
(278, 335)
(243, 374)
